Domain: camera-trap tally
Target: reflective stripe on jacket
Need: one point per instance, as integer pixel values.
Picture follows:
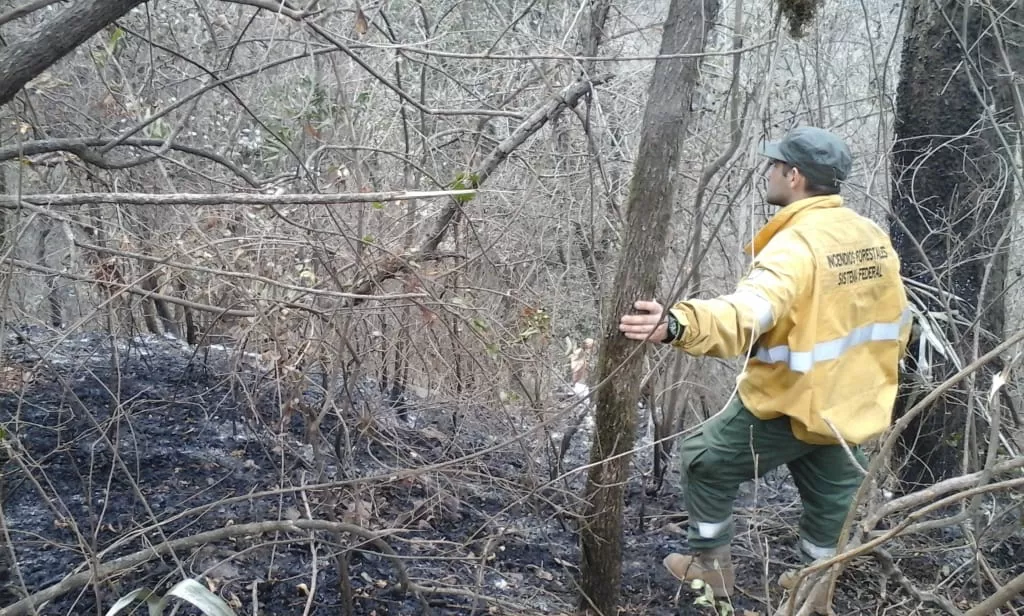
(824, 317)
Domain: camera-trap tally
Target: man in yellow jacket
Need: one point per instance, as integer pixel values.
(823, 319)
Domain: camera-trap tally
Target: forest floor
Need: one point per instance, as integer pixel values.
(115, 449)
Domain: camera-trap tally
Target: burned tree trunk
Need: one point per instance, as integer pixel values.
(619, 366)
(953, 185)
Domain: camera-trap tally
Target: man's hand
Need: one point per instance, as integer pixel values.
(641, 326)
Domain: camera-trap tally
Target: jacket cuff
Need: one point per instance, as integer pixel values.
(684, 323)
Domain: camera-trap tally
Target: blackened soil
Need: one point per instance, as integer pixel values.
(117, 448)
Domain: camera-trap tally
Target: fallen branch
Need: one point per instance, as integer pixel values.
(903, 527)
(936, 490)
(105, 570)
(889, 568)
(13, 202)
(1013, 588)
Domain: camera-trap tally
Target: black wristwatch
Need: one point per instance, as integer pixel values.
(673, 331)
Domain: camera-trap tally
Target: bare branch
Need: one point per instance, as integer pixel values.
(26, 59)
(210, 86)
(333, 40)
(83, 149)
(166, 262)
(889, 568)
(274, 7)
(11, 202)
(425, 51)
(130, 289)
(1012, 589)
(25, 9)
(568, 97)
(227, 312)
(931, 493)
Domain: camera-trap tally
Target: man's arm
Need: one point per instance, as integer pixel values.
(727, 326)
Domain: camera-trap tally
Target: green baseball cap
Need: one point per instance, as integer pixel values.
(821, 156)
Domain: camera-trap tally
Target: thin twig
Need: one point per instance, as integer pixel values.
(1011, 589)
(890, 569)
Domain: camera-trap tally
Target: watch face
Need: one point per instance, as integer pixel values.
(672, 330)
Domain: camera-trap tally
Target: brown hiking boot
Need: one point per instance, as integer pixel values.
(821, 604)
(713, 567)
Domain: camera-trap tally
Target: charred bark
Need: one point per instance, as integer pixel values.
(952, 192)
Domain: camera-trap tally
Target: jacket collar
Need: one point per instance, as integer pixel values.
(785, 216)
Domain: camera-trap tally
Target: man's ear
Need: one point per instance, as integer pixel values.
(797, 180)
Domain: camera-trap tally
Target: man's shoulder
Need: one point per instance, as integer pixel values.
(839, 223)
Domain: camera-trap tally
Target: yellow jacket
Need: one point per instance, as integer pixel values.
(824, 316)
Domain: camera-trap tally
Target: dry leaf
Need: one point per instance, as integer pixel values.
(433, 433)
(361, 25)
(565, 563)
(360, 513)
(674, 529)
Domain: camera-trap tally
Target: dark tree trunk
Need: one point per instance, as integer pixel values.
(952, 191)
(24, 60)
(649, 208)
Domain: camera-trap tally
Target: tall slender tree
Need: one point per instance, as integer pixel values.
(619, 366)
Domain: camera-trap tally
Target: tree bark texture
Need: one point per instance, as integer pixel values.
(952, 192)
(24, 60)
(620, 364)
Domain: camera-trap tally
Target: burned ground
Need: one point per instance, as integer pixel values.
(115, 448)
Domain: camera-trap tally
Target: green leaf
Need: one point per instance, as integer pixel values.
(478, 324)
(158, 129)
(369, 239)
(465, 181)
(377, 205)
(528, 333)
(99, 57)
(115, 37)
(199, 596)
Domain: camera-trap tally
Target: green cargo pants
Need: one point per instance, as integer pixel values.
(734, 447)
